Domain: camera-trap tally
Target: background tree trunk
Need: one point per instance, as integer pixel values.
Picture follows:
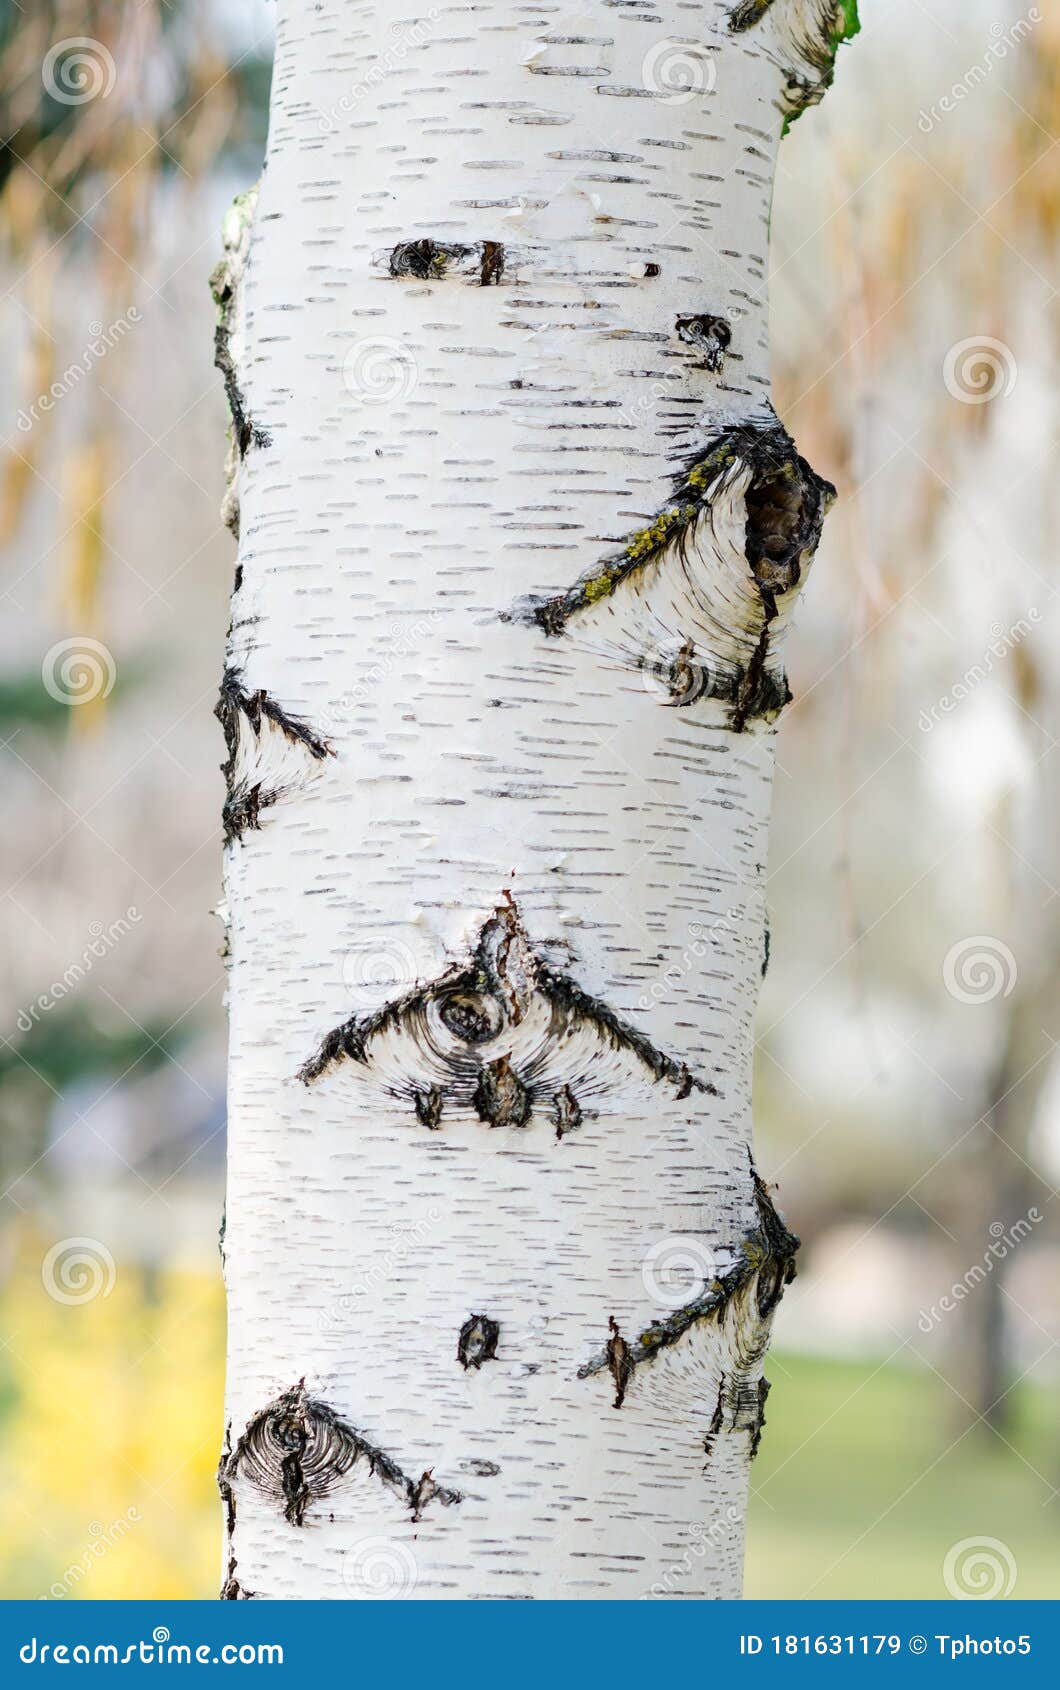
(520, 538)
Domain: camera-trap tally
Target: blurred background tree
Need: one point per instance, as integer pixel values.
(908, 1088)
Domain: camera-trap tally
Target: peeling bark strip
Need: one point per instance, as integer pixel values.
(298, 1450)
(245, 433)
(763, 1263)
(519, 1035)
(740, 1407)
(226, 284)
(764, 1388)
(749, 476)
(478, 1341)
(256, 729)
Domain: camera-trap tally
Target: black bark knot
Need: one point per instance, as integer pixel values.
(478, 1341)
(298, 1449)
(429, 260)
(500, 1098)
(710, 335)
(567, 1111)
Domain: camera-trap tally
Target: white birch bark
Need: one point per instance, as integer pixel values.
(520, 538)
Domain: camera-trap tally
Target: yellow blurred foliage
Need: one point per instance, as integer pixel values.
(111, 1412)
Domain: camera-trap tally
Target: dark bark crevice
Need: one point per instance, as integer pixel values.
(619, 1362)
(246, 800)
(740, 1406)
(477, 1342)
(431, 261)
(244, 432)
(764, 1265)
(710, 335)
(785, 503)
(298, 1449)
(231, 1589)
(483, 1001)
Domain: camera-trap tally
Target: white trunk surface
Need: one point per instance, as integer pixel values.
(516, 565)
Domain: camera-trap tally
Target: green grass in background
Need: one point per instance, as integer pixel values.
(863, 1483)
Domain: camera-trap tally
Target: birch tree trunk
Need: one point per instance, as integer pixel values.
(520, 537)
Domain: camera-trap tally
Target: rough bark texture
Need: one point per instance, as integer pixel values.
(520, 540)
